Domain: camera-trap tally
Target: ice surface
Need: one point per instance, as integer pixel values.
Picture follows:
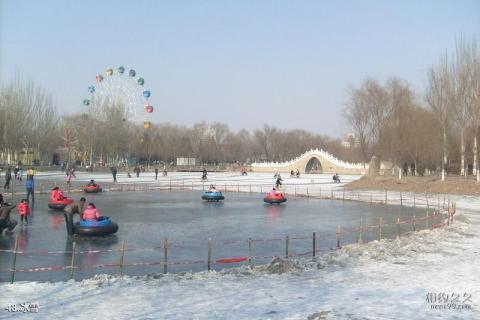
(386, 279)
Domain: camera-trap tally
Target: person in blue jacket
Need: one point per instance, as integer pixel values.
(30, 185)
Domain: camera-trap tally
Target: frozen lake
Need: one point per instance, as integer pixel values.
(146, 219)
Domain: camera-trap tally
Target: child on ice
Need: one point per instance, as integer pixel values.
(23, 210)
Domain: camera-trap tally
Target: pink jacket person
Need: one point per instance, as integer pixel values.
(91, 213)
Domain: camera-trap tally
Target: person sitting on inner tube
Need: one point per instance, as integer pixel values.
(56, 194)
(91, 213)
(92, 183)
(273, 193)
(212, 188)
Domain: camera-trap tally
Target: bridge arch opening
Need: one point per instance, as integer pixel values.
(313, 166)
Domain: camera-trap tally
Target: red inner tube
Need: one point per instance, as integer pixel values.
(64, 201)
(97, 187)
(278, 196)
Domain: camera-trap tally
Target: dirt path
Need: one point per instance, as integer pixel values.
(452, 185)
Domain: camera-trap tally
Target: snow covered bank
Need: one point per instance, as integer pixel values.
(379, 280)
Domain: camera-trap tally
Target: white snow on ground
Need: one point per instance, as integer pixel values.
(386, 279)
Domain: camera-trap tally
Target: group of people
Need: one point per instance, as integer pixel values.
(295, 173)
(412, 169)
(86, 213)
(18, 174)
(136, 170)
(23, 209)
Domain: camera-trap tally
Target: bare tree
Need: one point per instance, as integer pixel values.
(439, 99)
(468, 64)
(461, 72)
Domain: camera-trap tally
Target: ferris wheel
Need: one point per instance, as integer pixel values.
(122, 88)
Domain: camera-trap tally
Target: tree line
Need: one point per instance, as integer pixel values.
(437, 131)
(31, 122)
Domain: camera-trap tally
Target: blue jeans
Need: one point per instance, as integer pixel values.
(30, 191)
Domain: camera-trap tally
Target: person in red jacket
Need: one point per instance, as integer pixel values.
(56, 194)
(23, 210)
(91, 213)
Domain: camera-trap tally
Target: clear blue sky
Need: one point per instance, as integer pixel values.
(245, 63)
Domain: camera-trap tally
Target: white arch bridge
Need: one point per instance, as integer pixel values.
(313, 161)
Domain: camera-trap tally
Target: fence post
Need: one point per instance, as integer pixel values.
(261, 189)
(225, 187)
(380, 221)
(398, 228)
(454, 209)
(339, 228)
(238, 187)
(453, 212)
(360, 231)
(426, 220)
(286, 246)
(72, 262)
(122, 253)
(385, 196)
(426, 199)
(250, 252)
(209, 255)
(401, 199)
(314, 244)
(414, 201)
(170, 186)
(295, 190)
(450, 211)
(165, 255)
(14, 263)
(249, 188)
(413, 223)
